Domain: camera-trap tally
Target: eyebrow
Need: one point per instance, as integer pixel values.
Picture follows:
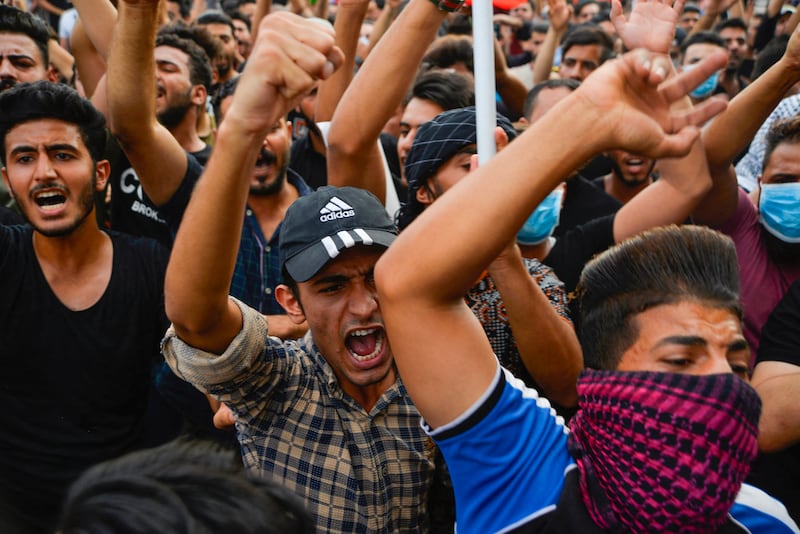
(688, 341)
(49, 148)
(330, 279)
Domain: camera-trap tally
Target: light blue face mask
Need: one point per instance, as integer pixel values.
(705, 89)
(543, 220)
(779, 210)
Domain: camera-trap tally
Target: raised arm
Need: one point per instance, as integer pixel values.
(560, 13)
(349, 16)
(157, 157)
(777, 375)
(650, 25)
(353, 153)
(97, 17)
(732, 130)
(290, 55)
(440, 348)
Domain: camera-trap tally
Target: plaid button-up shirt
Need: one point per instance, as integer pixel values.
(358, 471)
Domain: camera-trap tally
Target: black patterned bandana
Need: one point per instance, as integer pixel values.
(663, 452)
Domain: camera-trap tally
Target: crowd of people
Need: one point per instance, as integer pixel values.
(284, 295)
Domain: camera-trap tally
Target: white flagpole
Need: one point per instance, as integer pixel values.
(483, 37)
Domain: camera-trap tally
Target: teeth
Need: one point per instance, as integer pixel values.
(362, 333)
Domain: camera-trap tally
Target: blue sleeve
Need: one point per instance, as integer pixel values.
(759, 513)
(507, 456)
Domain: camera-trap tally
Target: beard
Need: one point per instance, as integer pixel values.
(85, 200)
(779, 251)
(174, 113)
(628, 181)
(266, 188)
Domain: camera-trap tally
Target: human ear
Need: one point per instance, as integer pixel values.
(291, 303)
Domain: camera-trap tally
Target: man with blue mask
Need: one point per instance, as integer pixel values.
(512, 289)
(766, 224)
(694, 49)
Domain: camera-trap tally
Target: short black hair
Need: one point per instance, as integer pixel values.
(199, 35)
(735, 22)
(533, 95)
(238, 15)
(215, 16)
(12, 20)
(183, 486)
(199, 64)
(448, 50)
(448, 90)
(586, 35)
(184, 7)
(769, 55)
(27, 102)
(701, 38)
(662, 266)
(782, 131)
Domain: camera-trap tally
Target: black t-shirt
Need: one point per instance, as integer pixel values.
(308, 163)
(9, 216)
(132, 211)
(74, 384)
(574, 249)
(584, 202)
(779, 473)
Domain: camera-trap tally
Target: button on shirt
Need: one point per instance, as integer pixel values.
(358, 471)
(258, 269)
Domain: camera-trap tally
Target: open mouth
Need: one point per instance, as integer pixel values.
(266, 160)
(365, 344)
(50, 199)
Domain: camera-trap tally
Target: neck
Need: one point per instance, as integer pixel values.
(271, 209)
(186, 134)
(622, 192)
(73, 251)
(367, 396)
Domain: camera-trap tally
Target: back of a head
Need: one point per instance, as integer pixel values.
(662, 266)
(769, 55)
(449, 50)
(448, 90)
(181, 488)
(46, 100)
(533, 94)
(12, 20)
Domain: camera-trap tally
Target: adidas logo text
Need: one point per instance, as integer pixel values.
(336, 209)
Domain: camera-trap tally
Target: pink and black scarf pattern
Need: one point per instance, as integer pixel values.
(662, 452)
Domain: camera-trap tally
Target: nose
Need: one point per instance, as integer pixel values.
(44, 170)
(404, 144)
(363, 301)
(718, 364)
(6, 69)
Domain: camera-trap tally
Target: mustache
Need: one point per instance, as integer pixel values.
(266, 157)
(7, 83)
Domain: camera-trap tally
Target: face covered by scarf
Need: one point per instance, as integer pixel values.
(663, 452)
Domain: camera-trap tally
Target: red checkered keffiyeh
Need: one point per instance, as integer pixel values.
(663, 452)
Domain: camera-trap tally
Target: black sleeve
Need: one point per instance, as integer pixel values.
(9, 217)
(765, 32)
(576, 247)
(780, 338)
(173, 209)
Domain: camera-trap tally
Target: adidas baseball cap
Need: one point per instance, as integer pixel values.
(317, 227)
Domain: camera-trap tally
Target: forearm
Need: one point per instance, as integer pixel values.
(532, 174)
(355, 128)
(543, 65)
(90, 64)
(682, 185)
(97, 17)
(396, 58)
(198, 305)
(547, 343)
(263, 8)
(733, 129)
(509, 87)
(779, 426)
(381, 26)
(131, 72)
(349, 17)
